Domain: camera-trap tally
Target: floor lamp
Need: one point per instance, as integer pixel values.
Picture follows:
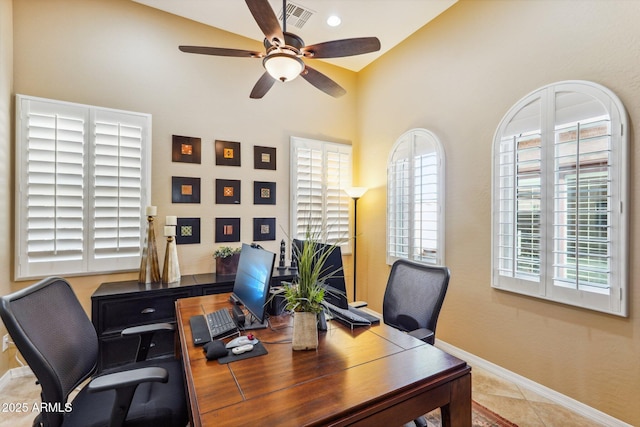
(355, 193)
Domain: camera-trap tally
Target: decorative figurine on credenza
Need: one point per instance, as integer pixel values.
(149, 269)
(171, 268)
(281, 266)
(294, 260)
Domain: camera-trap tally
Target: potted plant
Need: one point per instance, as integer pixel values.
(304, 296)
(226, 260)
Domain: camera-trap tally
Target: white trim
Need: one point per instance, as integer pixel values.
(556, 397)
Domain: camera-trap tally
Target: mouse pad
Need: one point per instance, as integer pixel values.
(258, 350)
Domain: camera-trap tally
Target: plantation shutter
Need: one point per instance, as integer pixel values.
(118, 174)
(82, 180)
(338, 178)
(415, 199)
(320, 172)
(51, 187)
(560, 187)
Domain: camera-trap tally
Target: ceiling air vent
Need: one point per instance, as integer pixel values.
(297, 15)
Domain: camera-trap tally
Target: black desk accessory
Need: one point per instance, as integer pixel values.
(199, 330)
(215, 349)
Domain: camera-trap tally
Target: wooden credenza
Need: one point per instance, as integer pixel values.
(119, 305)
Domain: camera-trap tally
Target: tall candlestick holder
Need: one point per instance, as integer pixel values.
(171, 268)
(281, 266)
(149, 269)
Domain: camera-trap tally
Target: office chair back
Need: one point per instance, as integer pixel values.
(414, 296)
(55, 337)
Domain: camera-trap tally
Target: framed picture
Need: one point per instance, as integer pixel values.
(227, 153)
(264, 193)
(185, 190)
(188, 231)
(264, 229)
(264, 157)
(185, 149)
(227, 192)
(227, 230)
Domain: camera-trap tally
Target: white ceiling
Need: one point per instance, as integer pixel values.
(389, 20)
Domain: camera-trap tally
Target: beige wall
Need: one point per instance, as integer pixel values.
(6, 150)
(119, 54)
(458, 76)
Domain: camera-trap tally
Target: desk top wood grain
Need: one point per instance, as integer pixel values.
(352, 375)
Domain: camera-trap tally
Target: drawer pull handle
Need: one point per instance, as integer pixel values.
(148, 311)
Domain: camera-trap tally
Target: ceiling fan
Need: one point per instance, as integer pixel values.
(284, 51)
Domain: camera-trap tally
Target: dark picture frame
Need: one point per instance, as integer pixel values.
(264, 193)
(264, 157)
(227, 153)
(227, 192)
(227, 230)
(264, 229)
(185, 189)
(188, 231)
(186, 149)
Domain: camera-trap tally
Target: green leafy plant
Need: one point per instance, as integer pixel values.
(226, 251)
(307, 291)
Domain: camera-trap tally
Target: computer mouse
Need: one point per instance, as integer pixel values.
(242, 349)
(244, 340)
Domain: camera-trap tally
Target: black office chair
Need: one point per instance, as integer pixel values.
(413, 298)
(58, 341)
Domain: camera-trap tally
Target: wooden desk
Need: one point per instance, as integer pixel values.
(365, 377)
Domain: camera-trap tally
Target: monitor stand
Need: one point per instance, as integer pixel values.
(251, 323)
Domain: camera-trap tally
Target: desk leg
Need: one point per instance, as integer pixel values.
(458, 412)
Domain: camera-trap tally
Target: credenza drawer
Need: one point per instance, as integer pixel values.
(122, 313)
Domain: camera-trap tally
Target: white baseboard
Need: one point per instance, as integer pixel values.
(556, 397)
(14, 373)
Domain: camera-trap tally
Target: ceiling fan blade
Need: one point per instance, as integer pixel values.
(340, 48)
(266, 19)
(262, 86)
(322, 82)
(221, 51)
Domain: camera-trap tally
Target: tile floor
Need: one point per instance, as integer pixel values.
(518, 405)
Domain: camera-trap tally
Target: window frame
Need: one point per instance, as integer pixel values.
(319, 224)
(546, 285)
(92, 254)
(413, 226)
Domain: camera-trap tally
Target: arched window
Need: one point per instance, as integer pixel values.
(415, 198)
(559, 197)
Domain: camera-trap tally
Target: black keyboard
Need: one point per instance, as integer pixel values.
(220, 323)
(352, 316)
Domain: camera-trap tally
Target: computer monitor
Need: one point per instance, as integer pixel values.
(336, 289)
(251, 286)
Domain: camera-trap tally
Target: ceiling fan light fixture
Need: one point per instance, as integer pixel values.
(283, 66)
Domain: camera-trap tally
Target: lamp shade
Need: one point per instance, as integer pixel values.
(355, 192)
(283, 66)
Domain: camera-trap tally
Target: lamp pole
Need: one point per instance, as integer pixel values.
(355, 193)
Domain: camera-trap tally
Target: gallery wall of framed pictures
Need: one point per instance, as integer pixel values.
(227, 155)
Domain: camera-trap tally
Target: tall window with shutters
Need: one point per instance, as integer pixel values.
(320, 172)
(83, 176)
(559, 197)
(415, 198)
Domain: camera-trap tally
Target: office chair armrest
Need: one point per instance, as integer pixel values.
(125, 383)
(423, 334)
(145, 332)
(147, 329)
(128, 378)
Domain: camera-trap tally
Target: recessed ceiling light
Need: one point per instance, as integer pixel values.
(333, 21)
